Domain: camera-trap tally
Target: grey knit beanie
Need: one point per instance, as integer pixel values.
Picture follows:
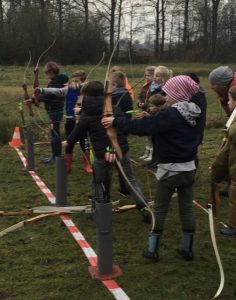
(221, 75)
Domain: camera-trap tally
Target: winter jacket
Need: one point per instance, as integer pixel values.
(224, 165)
(71, 95)
(122, 99)
(71, 99)
(90, 123)
(147, 92)
(175, 130)
(200, 100)
(52, 102)
(144, 94)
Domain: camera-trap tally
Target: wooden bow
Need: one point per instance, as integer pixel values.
(107, 108)
(112, 135)
(36, 71)
(213, 239)
(27, 99)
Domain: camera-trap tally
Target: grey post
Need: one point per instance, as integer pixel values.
(61, 182)
(103, 219)
(30, 150)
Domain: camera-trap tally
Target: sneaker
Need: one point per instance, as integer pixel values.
(148, 158)
(49, 160)
(187, 255)
(146, 153)
(152, 256)
(152, 165)
(230, 231)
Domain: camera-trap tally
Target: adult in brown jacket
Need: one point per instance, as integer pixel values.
(224, 167)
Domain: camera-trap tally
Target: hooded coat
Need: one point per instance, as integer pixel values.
(90, 123)
(176, 131)
(52, 102)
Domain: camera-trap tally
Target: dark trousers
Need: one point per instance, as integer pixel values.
(102, 179)
(56, 118)
(101, 183)
(127, 166)
(69, 126)
(183, 183)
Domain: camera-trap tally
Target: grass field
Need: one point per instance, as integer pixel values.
(42, 261)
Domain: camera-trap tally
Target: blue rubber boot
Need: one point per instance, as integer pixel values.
(187, 246)
(230, 231)
(151, 252)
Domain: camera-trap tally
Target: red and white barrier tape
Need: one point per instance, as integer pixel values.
(111, 285)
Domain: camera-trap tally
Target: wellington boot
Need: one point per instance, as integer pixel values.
(69, 157)
(87, 165)
(151, 253)
(186, 250)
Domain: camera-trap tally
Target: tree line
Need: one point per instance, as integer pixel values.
(197, 30)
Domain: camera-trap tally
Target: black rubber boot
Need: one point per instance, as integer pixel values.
(187, 246)
(151, 252)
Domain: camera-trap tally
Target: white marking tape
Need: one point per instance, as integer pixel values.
(111, 285)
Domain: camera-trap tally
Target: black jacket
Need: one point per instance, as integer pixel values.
(52, 102)
(90, 123)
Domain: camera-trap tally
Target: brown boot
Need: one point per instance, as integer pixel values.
(87, 165)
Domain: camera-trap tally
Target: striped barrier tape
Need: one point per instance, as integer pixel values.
(111, 285)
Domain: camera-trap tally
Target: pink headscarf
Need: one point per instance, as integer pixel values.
(181, 88)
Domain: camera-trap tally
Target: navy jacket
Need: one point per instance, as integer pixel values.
(175, 139)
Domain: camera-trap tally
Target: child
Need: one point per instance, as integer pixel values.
(72, 94)
(144, 93)
(54, 106)
(90, 123)
(175, 131)
(160, 77)
(127, 84)
(223, 167)
(154, 105)
(77, 80)
(122, 99)
(120, 95)
(143, 104)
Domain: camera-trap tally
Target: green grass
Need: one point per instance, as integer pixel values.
(43, 261)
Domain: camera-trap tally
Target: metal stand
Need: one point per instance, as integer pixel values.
(30, 150)
(105, 268)
(61, 182)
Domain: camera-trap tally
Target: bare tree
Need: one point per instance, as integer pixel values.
(186, 24)
(215, 6)
(1, 17)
